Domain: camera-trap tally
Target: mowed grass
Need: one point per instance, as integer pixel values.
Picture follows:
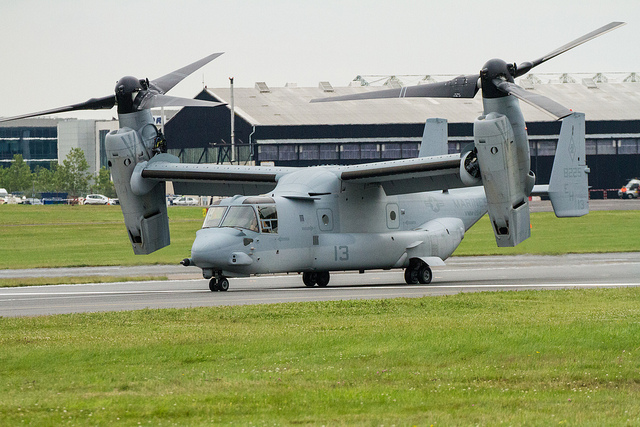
(597, 232)
(515, 358)
(64, 236)
(67, 236)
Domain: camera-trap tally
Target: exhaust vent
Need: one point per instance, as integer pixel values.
(262, 87)
(325, 86)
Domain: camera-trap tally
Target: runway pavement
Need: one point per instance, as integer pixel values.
(464, 274)
(594, 205)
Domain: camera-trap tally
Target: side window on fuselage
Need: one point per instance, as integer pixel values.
(268, 218)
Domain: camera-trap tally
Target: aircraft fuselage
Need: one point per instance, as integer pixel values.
(360, 228)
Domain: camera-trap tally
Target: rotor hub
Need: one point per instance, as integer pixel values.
(127, 89)
(495, 69)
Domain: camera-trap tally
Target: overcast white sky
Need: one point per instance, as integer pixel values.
(61, 52)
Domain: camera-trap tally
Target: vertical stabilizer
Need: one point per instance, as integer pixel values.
(434, 138)
(568, 186)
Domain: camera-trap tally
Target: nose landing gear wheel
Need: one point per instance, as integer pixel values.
(221, 285)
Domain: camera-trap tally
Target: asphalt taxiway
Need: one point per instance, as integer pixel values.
(463, 274)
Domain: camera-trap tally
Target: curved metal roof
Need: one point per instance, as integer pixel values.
(279, 106)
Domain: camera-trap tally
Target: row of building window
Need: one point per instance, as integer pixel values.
(353, 151)
(370, 151)
(31, 132)
(29, 148)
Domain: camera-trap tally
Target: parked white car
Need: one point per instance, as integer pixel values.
(186, 201)
(30, 201)
(631, 190)
(96, 199)
(4, 195)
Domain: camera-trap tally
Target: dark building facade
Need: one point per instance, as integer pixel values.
(201, 135)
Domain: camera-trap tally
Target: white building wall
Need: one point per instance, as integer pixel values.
(107, 125)
(78, 134)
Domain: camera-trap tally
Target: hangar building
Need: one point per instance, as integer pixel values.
(278, 124)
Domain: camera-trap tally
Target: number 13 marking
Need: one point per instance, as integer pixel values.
(341, 253)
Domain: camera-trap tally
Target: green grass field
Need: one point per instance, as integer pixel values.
(63, 236)
(512, 358)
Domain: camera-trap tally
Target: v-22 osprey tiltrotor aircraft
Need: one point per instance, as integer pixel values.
(410, 213)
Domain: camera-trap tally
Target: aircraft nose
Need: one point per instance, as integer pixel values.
(212, 246)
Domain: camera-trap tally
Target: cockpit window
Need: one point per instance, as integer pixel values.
(241, 217)
(214, 215)
(268, 218)
(255, 200)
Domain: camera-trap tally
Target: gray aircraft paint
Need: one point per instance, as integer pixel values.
(428, 225)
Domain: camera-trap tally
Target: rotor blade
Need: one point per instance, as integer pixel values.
(459, 87)
(106, 103)
(159, 100)
(526, 66)
(165, 83)
(541, 102)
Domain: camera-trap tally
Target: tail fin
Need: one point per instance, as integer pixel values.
(434, 138)
(568, 186)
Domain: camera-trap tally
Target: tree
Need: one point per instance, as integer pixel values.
(103, 184)
(46, 180)
(73, 173)
(18, 176)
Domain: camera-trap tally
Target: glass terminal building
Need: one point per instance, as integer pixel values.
(35, 140)
(44, 140)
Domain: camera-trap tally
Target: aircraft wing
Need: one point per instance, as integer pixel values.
(396, 176)
(408, 175)
(208, 179)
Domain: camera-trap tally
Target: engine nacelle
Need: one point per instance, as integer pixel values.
(507, 196)
(145, 216)
(470, 169)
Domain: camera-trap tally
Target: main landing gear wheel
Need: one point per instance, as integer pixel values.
(311, 279)
(323, 279)
(221, 285)
(424, 274)
(411, 276)
(418, 273)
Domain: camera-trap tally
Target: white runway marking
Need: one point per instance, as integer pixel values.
(316, 289)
